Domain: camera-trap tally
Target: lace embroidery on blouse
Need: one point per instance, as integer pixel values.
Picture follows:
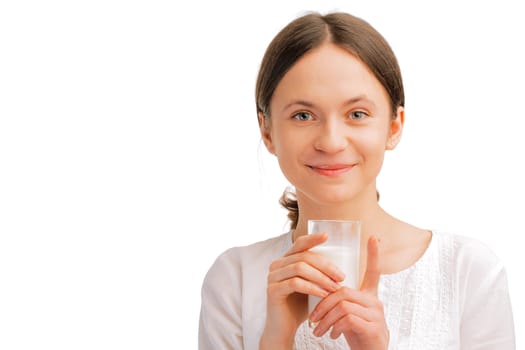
(418, 302)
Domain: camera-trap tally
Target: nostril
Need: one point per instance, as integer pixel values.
(331, 143)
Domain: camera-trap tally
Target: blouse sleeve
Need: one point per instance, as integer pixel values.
(220, 322)
(486, 313)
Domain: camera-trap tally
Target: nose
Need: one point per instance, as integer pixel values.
(331, 136)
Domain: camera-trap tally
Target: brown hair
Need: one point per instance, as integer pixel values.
(311, 31)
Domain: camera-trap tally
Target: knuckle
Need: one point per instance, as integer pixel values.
(377, 304)
(338, 327)
(343, 324)
(310, 289)
(274, 264)
(295, 268)
(271, 289)
(345, 306)
(348, 320)
(301, 239)
(299, 267)
(347, 292)
(295, 283)
(270, 277)
(308, 254)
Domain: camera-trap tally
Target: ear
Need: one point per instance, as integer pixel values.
(396, 129)
(266, 135)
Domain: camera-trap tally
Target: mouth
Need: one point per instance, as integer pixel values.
(331, 170)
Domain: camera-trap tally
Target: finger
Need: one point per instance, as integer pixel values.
(372, 274)
(306, 242)
(342, 310)
(305, 271)
(316, 260)
(334, 300)
(352, 323)
(296, 285)
(354, 326)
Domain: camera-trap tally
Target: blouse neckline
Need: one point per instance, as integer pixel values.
(419, 261)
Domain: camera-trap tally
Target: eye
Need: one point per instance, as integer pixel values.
(356, 115)
(303, 116)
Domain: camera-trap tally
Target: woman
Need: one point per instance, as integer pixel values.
(330, 102)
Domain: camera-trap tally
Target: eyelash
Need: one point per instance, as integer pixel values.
(310, 116)
(296, 116)
(364, 115)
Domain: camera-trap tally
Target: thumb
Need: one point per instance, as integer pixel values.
(371, 278)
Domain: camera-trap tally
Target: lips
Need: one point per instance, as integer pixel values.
(331, 170)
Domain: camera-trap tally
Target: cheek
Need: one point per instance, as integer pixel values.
(288, 154)
(289, 150)
(371, 144)
(288, 143)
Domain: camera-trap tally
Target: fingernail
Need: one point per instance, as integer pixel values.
(317, 331)
(341, 276)
(335, 286)
(312, 324)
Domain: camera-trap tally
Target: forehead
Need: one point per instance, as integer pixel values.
(328, 75)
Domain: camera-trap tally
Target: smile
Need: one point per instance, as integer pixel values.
(331, 170)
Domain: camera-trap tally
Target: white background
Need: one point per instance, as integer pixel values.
(130, 156)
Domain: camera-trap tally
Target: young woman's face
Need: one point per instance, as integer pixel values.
(330, 124)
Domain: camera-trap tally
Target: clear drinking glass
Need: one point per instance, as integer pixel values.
(341, 248)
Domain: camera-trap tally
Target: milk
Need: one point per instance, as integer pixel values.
(346, 259)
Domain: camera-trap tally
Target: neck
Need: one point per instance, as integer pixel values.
(365, 209)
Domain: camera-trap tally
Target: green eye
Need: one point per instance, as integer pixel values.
(303, 116)
(358, 115)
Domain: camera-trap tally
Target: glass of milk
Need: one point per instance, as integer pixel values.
(341, 248)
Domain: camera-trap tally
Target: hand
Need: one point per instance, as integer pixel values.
(358, 314)
(291, 279)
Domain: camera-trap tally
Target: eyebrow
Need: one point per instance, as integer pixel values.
(346, 103)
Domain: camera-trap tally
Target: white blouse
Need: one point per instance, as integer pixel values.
(454, 297)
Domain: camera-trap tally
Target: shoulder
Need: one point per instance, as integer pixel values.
(468, 251)
(268, 248)
(485, 311)
(231, 263)
(472, 260)
(225, 286)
